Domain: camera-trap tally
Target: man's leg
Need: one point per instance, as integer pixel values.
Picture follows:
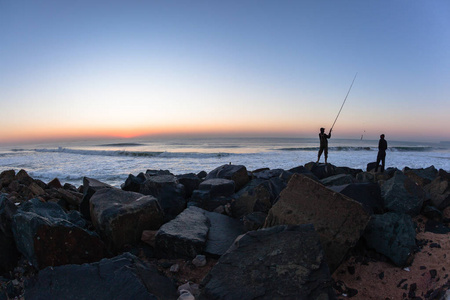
(326, 155)
(320, 153)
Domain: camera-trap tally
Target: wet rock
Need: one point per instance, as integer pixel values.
(237, 173)
(392, 235)
(121, 277)
(339, 220)
(402, 195)
(264, 264)
(9, 255)
(184, 236)
(90, 186)
(120, 216)
(47, 236)
(368, 194)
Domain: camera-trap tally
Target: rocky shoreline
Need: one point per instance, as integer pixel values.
(313, 232)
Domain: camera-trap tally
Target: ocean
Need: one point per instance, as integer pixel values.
(111, 161)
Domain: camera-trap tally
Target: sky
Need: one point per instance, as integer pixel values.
(91, 69)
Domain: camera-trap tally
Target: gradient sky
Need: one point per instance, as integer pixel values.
(83, 69)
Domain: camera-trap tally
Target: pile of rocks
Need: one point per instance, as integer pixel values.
(274, 233)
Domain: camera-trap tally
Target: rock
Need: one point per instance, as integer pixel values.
(254, 221)
(432, 213)
(371, 166)
(45, 235)
(23, 177)
(421, 176)
(339, 179)
(190, 183)
(257, 196)
(90, 186)
(439, 190)
(364, 177)
(6, 177)
(237, 173)
(148, 237)
(186, 295)
(120, 216)
(203, 199)
(170, 194)
(199, 261)
(304, 171)
(338, 219)
(393, 235)
(218, 187)
(368, 194)
(121, 277)
(322, 171)
(8, 251)
(402, 195)
(55, 184)
(267, 173)
(202, 174)
(175, 268)
(184, 236)
(222, 232)
(193, 288)
(278, 262)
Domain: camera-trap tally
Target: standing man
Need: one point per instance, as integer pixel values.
(323, 137)
(382, 146)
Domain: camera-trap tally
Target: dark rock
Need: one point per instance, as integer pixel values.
(237, 173)
(365, 177)
(371, 166)
(339, 179)
(304, 171)
(23, 177)
(279, 262)
(185, 236)
(120, 216)
(6, 177)
(133, 183)
(158, 173)
(432, 213)
(121, 277)
(402, 195)
(254, 221)
(257, 196)
(322, 171)
(190, 183)
(55, 184)
(421, 176)
(8, 251)
(90, 186)
(348, 171)
(218, 187)
(338, 219)
(203, 199)
(439, 190)
(268, 173)
(222, 233)
(45, 236)
(202, 174)
(368, 194)
(436, 227)
(392, 235)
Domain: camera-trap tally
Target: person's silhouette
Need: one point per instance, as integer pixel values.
(323, 137)
(382, 146)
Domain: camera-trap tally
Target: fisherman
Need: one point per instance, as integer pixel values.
(323, 137)
(382, 146)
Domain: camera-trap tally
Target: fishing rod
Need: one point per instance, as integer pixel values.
(344, 102)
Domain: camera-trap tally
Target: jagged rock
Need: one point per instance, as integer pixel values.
(322, 171)
(6, 177)
(184, 236)
(304, 171)
(120, 216)
(267, 173)
(338, 219)
(368, 194)
(199, 261)
(203, 199)
(190, 183)
(432, 213)
(371, 166)
(23, 177)
(402, 195)
(254, 221)
(278, 262)
(393, 235)
(339, 179)
(121, 277)
(237, 173)
(257, 195)
(439, 190)
(55, 184)
(90, 186)
(8, 251)
(202, 174)
(218, 187)
(421, 176)
(223, 231)
(47, 236)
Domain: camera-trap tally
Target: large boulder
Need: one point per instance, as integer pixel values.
(120, 216)
(303, 170)
(190, 182)
(368, 194)
(237, 173)
(439, 190)
(281, 262)
(121, 277)
(421, 176)
(393, 235)
(339, 179)
(6, 177)
(402, 195)
(185, 236)
(257, 196)
(8, 251)
(47, 236)
(218, 187)
(322, 171)
(203, 199)
(90, 186)
(338, 219)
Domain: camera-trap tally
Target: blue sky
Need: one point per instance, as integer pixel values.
(74, 69)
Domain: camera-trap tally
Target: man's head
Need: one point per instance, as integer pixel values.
(322, 130)
(382, 136)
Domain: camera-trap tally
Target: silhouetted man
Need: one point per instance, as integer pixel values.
(382, 146)
(323, 137)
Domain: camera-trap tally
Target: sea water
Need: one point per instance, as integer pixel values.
(113, 160)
